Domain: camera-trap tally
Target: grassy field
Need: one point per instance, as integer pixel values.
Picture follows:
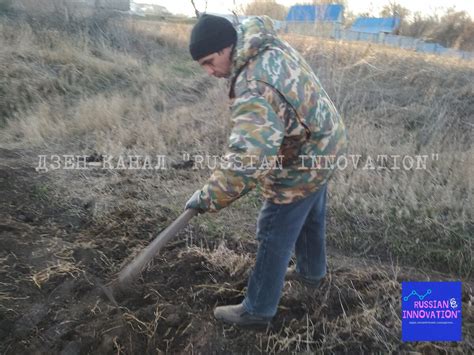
(128, 87)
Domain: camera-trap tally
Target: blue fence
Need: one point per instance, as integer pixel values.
(409, 43)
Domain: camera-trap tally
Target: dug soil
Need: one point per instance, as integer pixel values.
(54, 257)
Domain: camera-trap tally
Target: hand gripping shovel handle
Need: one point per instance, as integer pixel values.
(130, 272)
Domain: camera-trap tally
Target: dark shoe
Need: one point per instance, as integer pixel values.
(293, 275)
(238, 315)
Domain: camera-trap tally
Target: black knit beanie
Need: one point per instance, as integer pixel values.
(211, 34)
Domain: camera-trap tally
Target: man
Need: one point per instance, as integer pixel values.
(279, 109)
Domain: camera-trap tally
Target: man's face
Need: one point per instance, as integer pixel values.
(217, 64)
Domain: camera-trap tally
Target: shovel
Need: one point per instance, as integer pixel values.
(132, 270)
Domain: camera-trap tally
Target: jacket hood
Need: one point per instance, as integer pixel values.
(253, 36)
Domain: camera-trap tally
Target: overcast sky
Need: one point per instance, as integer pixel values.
(357, 6)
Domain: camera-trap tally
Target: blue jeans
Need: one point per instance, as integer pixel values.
(280, 229)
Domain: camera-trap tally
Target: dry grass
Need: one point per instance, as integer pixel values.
(402, 103)
(60, 269)
(174, 35)
(222, 259)
(357, 308)
(132, 89)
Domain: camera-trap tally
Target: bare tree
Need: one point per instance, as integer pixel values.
(266, 7)
(453, 29)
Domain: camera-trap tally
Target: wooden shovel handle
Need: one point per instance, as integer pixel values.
(130, 272)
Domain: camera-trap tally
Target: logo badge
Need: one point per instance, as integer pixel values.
(431, 311)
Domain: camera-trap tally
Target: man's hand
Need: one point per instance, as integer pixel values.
(195, 202)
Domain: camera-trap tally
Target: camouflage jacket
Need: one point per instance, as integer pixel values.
(281, 117)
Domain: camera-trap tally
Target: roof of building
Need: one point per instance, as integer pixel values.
(312, 13)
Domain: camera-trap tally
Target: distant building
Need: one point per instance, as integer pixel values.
(315, 19)
(316, 13)
(388, 25)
